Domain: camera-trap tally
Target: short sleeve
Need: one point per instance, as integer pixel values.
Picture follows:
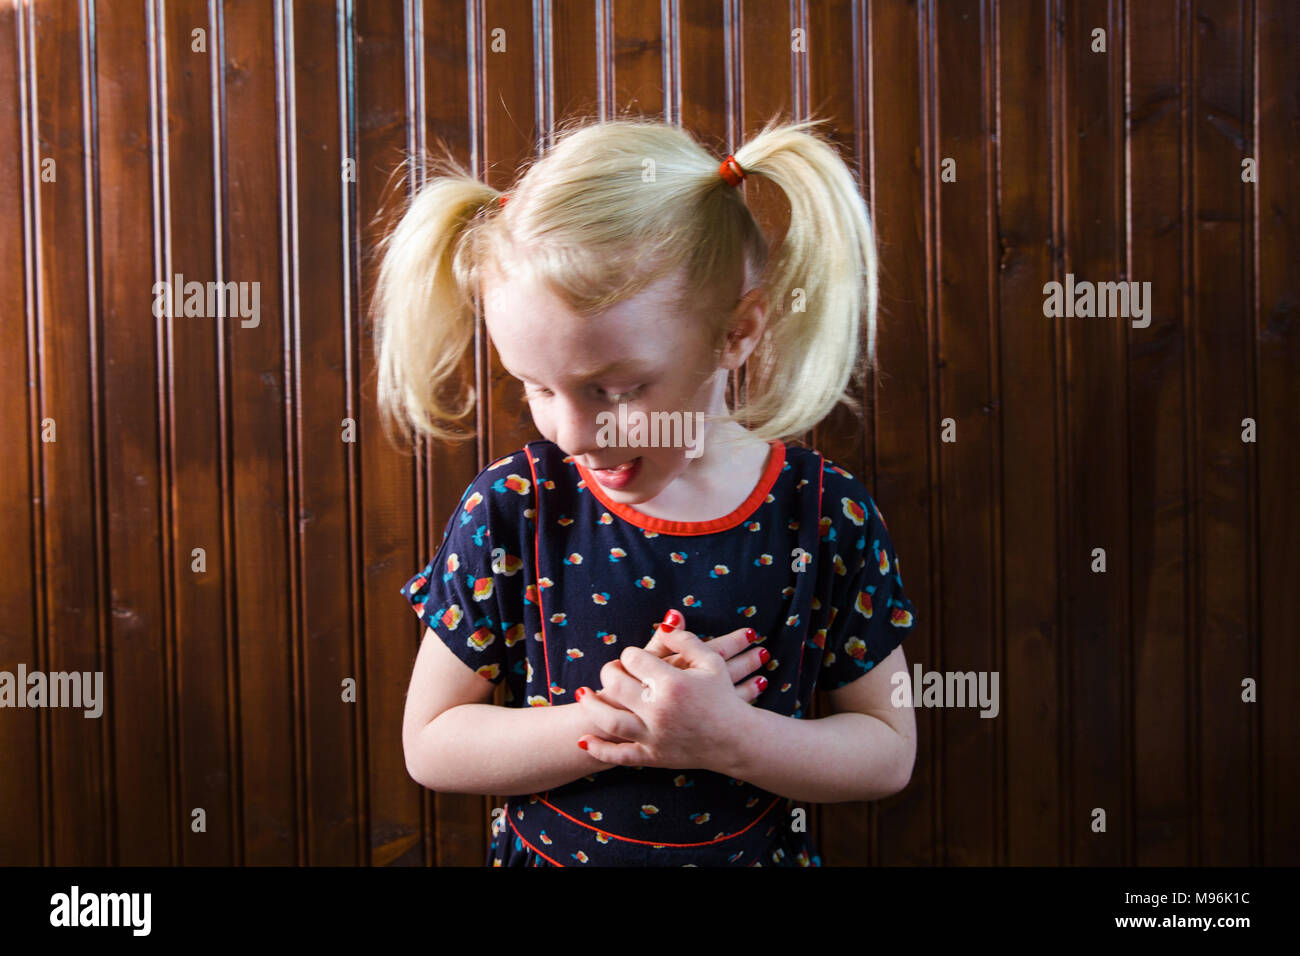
(871, 614)
(458, 594)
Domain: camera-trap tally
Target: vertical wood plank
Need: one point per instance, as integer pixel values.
(65, 312)
(390, 530)
(966, 395)
(144, 826)
(22, 788)
(1223, 344)
(196, 421)
(703, 72)
(1027, 340)
(765, 69)
(638, 57)
(902, 409)
(460, 827)
(252, 142)
(1158, 439)
(574, 58)
(1096, 604)
(1277, 402)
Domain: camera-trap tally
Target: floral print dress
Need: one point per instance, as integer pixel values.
(542, 578)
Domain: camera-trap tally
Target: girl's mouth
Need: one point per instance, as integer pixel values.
(619, 477)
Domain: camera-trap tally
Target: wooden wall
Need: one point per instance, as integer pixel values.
(126, 156)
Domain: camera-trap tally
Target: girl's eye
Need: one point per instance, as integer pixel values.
(626, 396)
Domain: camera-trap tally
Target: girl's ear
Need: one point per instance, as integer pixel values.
(744, 329)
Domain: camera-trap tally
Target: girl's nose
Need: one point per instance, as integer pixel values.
(575, 428)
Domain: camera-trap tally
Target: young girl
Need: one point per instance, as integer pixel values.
(661, 600)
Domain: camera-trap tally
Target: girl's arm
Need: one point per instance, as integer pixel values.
(864, 751)
(457, 742)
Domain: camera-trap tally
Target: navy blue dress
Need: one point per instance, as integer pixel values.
(541, 579)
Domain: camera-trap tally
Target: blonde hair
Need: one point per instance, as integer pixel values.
(608, 209)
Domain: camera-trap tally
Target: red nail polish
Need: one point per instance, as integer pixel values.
(579, 693)
(762, 684)
(582, 744)
(764, 655)
(751, 635)
(672, 620)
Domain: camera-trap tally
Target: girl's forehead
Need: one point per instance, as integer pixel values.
(513, 303)
(536, 334)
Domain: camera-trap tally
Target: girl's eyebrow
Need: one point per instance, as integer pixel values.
(621, 365)
(607, 369)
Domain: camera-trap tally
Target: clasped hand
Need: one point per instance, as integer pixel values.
(679, 702)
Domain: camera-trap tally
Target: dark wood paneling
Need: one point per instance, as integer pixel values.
(258, 237)
(960, 41)
(68, 482)
(1094, 452)
(1222, 388)
(1119, 691)
(389, 534)
(455, 833)
(1024, 413)
(1275, 217)
(24, 791)
(1157, 437)
(145, 826)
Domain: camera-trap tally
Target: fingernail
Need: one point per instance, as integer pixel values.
(751, 635)
(582, 744)
(762, 684)
(672, 620)
(578, 695)
(764, 655)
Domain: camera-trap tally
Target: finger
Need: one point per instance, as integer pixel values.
(672, 657)
(750, 690)
(690, 647)
(653, 671)
(613, 721)
(745, 664)
(626, 755)
(726, 646)
(729, 645)
(672, 621)
(618, 687)
(654, 646)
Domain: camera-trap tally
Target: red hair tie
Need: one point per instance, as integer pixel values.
(731, 171)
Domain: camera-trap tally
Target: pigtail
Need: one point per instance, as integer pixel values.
(423, 307)
(821, 282)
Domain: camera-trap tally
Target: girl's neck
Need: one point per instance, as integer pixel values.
(718, 482)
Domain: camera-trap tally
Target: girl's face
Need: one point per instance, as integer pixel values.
(635, 354)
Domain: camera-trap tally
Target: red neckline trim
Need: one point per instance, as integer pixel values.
(775, 462)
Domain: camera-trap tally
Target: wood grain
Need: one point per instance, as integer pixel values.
(1121, 691)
